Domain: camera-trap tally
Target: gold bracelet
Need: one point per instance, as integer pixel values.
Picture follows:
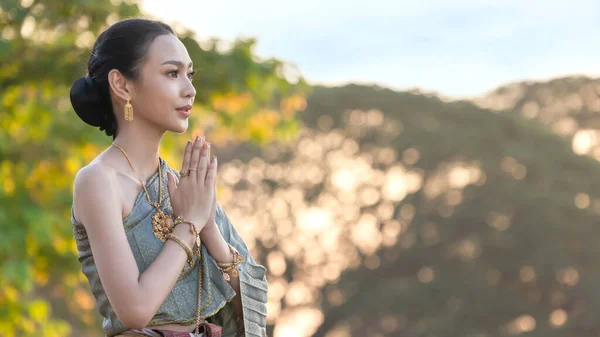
(179, 219)
(185, 247)
(225, 267)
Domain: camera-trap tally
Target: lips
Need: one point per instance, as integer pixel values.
(184, 110)
(185, 107)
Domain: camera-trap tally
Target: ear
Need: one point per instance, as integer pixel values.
(120, 85)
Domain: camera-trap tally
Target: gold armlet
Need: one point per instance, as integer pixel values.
(185, 247)
(232, 267)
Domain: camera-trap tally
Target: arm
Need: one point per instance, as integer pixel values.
(135, 298)
(250, 302)
(219, 250)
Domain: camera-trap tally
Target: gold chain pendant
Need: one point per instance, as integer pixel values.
(162, 225)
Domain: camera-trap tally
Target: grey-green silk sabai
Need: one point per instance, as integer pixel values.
(180, 305)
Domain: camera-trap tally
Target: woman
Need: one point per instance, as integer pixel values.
(162, 258)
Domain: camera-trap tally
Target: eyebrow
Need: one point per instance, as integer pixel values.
(177, 63)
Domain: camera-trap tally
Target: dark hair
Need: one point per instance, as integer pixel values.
(122, 46)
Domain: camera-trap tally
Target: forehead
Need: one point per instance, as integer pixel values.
(167, 48)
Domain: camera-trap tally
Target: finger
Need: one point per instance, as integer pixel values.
(211, 175)
(208, 158)
(171, 184)
(195, 158)
(187, 156)
(203, 165)
(215, 179)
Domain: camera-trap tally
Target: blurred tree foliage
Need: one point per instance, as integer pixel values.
(569, 106)
(44, 47)
(497, 225)
(401, 214)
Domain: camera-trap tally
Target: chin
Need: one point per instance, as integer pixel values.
(180, 127)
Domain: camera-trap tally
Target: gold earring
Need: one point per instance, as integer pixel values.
(128, 111)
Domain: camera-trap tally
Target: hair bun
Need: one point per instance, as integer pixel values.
(89, 81)
(90, 104)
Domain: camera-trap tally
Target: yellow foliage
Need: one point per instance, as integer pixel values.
(57, 329)
(220, 135)
(28, 325)
(72, 165)
(15, 130)
(10, 96)
(45, 179)
(8, 185)
(83, 299)
(231, 103)
(70, 280)
(262, 124)
(41, 277)
(7, 329)
(10, 293)
(174, 158)
(38, 310)
(290, 105)
(5, 168)
(89, 151)
(60, 244)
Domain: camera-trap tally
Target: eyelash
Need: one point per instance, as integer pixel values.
(190, 74)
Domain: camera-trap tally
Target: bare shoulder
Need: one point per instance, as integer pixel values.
(94, 171)
(93, 184)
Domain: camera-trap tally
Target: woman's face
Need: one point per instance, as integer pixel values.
(165, 87)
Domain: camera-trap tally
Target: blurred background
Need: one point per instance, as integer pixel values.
(418, 169)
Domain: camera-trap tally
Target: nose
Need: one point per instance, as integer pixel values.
(189, 90)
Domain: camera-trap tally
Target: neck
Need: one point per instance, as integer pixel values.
(141, 146)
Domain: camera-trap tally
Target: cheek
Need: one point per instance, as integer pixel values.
(162, 88)
(158, 95)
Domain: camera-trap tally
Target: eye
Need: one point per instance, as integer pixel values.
(191, 75)
(172, 72)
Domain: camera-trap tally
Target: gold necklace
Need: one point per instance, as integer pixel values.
(162, 224)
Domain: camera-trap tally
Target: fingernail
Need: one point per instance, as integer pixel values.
(197, 138)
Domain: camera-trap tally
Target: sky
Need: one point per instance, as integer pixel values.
(456, 48)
